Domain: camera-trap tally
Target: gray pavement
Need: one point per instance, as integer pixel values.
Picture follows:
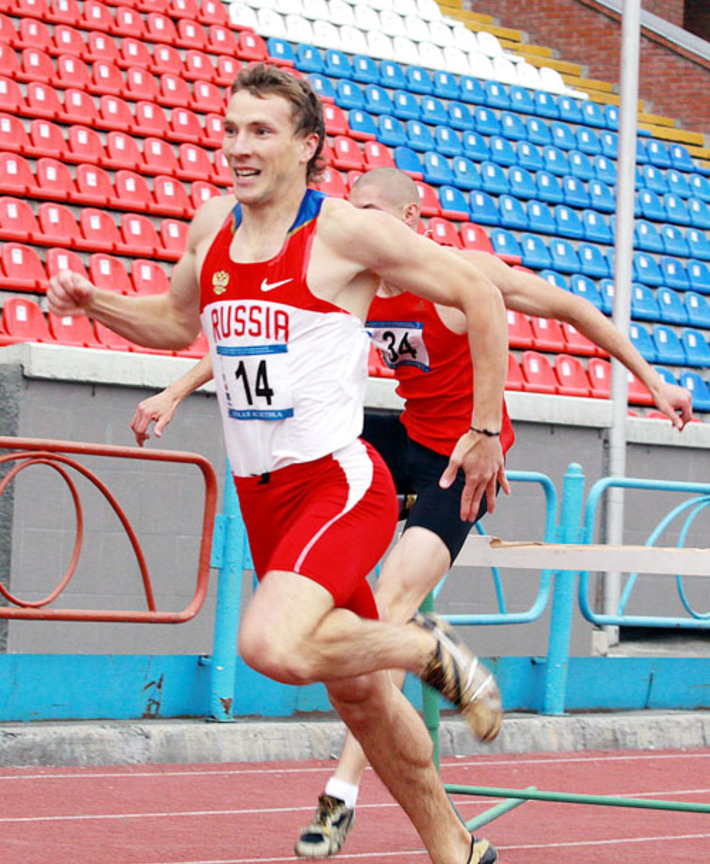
(191, 741)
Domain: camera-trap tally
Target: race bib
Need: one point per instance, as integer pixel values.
(256, 381)
(401, 343)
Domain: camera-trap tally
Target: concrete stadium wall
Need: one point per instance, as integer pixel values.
(64, 394)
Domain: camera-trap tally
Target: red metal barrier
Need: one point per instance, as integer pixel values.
(33, 451)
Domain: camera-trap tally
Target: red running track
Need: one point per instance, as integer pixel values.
(250, 813)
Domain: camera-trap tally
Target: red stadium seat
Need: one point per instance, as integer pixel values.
(185, 126)
(135, 53)
(68, 40)
(8, 34)
(114, 114)
(221, 174)
(474, 237)
(72, 72)
(514, 376)
(64, 12)
(201, 191)
(160, 28)
(150, 119)
(9, 62)
(141, 84)
(128, 23)
(32, 33)
(251, 46)
(377, 155)
(638, 393)
(99, 232)
(213, 12)
(571, 376)
(109, 272)
(227, 69)
(110, 340)
(199, 66)
(132, 191)
(13, 136)
(24, 321)
(21, 268)
(78, 107)
(351, 177)
(55, 180)
(347, 154)
(520, 333)
(93, 186)
(213, 134)
(76, 330)
(159, 157)
(332, 183)
(336, 122)
(107, 79)
(191, 34)
(207, 98)
(183, 9)
(537, 373)
(17, 221)
(577, 343)
(31, 8)
(101, 46)
(36, 65)
(173, 238)
(444, 232)
(138, 235)
(12, 98)
(167, 59)
(428, 199)
(193, 162)
(84, 145)
(57, 224)
(148, 277)
(174, 91)
(122, 152)
(16, 177)
(547, 334)
(170, 197)
(46, 139)
(221, 40)
(43, 100)
(599, 373)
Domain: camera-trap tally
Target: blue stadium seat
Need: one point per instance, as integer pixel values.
(529, 156)
(521, 99)
(606, 291)
(674, 242)
(658, 154)
(549, 188)
(336, 64)
(671, 306)
(580, 165)
(562, 135)
(605, 170)
(593, 261)
(475, 147)
(407, 160)
(601, 196)
(611, 116)
(471, 90)
(392, 75)
(391, 131)
(502, 151)
(643, 303)
(466, 174)
(698, 244)
(699, 276)
(541, 218)
(700, 186)
(588, 141)
(555, 160)
(419, 80)
(308, 58)
(680, 158)
(646, 269)
(445, 85)
(650, 206)
(323, 86)
(485, 121)
(641, 339)
(522, 183)
(650, 177)
(564, 256)
(669, 349)
(546, 105)
(575, 192)
(348, 95)
(505, 243)
(676, 209)
(494, 179)
(281, 50)
(406, 106)
(363, 126)
(677, 183)
(568, 222)
(535, 253)
(460, 116)
(437, 170)
(583, 286)
(593, 114)
(496, 94)
(569, 109)
(641, 153)
(538, 131)
(512, 213)
(377, 100)
(512, 126)
(647, 237)
(555, 278)
(698, 309)
(698, 389)
(610, 144)
(666, 374)
(448, 141)
(699, 213)
(419, 136)
(433, 111)
(365, 69)
(453, 203)
(673, 273)
(596, 228)
(484, 209)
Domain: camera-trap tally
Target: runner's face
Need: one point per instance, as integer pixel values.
(264, 155)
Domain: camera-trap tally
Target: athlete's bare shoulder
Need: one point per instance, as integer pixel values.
(358, 234)
(208, 219)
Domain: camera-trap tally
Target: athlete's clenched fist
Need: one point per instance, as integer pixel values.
(69, 293)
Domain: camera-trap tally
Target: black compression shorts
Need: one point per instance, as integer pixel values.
(416, 471)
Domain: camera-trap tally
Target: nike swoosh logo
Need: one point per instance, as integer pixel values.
(269, 286)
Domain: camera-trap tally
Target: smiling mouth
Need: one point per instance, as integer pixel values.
(245, 173)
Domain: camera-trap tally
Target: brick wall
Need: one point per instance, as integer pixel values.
(672, 84)
(669, 10)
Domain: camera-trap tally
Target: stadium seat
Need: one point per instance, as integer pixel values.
(148, 277)
(547, 334)
(674, 242)
(474, 237)
(170, 198)
(23, 321)
(700, 186)
(601, 196)
(505, 243)
(673, 273)
(445, 85)
(522, 183)
(555, 279)
(549, 188)
(376, 155)
(697, 309)
(698, 244)
(444, 231)
(529, 156)
(471, 90)
(502, 151)
(676, 209)
(16, 177)
(494, 180)
(643, 303)
(43, 100)
(109, 272)
(475, 147)
(699, 389)
(486, 121)
(433, 111)
(496, 95)
(583, 286)
(17, 221)
(76, 330)
(98, 230)
(695, 345)
(699, 276)
(466, 174)
(57, 225)
(667, 345)
(185, 126)
(564, 257)
(362, 125)
(596, 228)
(365, 70)
(520, 334)
(428, 199)
(568, 222)
(110, 340)
(309, 58)
(447, 141)
(512, 213)
(577, 343)
(12, 99)
(409, 161)
(581, 166)
(535, 253)
(594, 262)
(647, 237)
(484, 208)
(571, 376)
(599, 374)
(21, 268)
(347, 154)
(575, 192)
(332, 183)
(699, 213)
(377, 100)
(514, 376)
(537, 373)
(521, 99)
(437, 170)
(138, 235)
(646, 269)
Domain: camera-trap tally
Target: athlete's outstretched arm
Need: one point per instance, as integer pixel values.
(528, 293)
(160, 409)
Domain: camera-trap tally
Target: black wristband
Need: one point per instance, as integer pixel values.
(486, 432)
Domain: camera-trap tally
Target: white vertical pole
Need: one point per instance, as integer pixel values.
(623, 266)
